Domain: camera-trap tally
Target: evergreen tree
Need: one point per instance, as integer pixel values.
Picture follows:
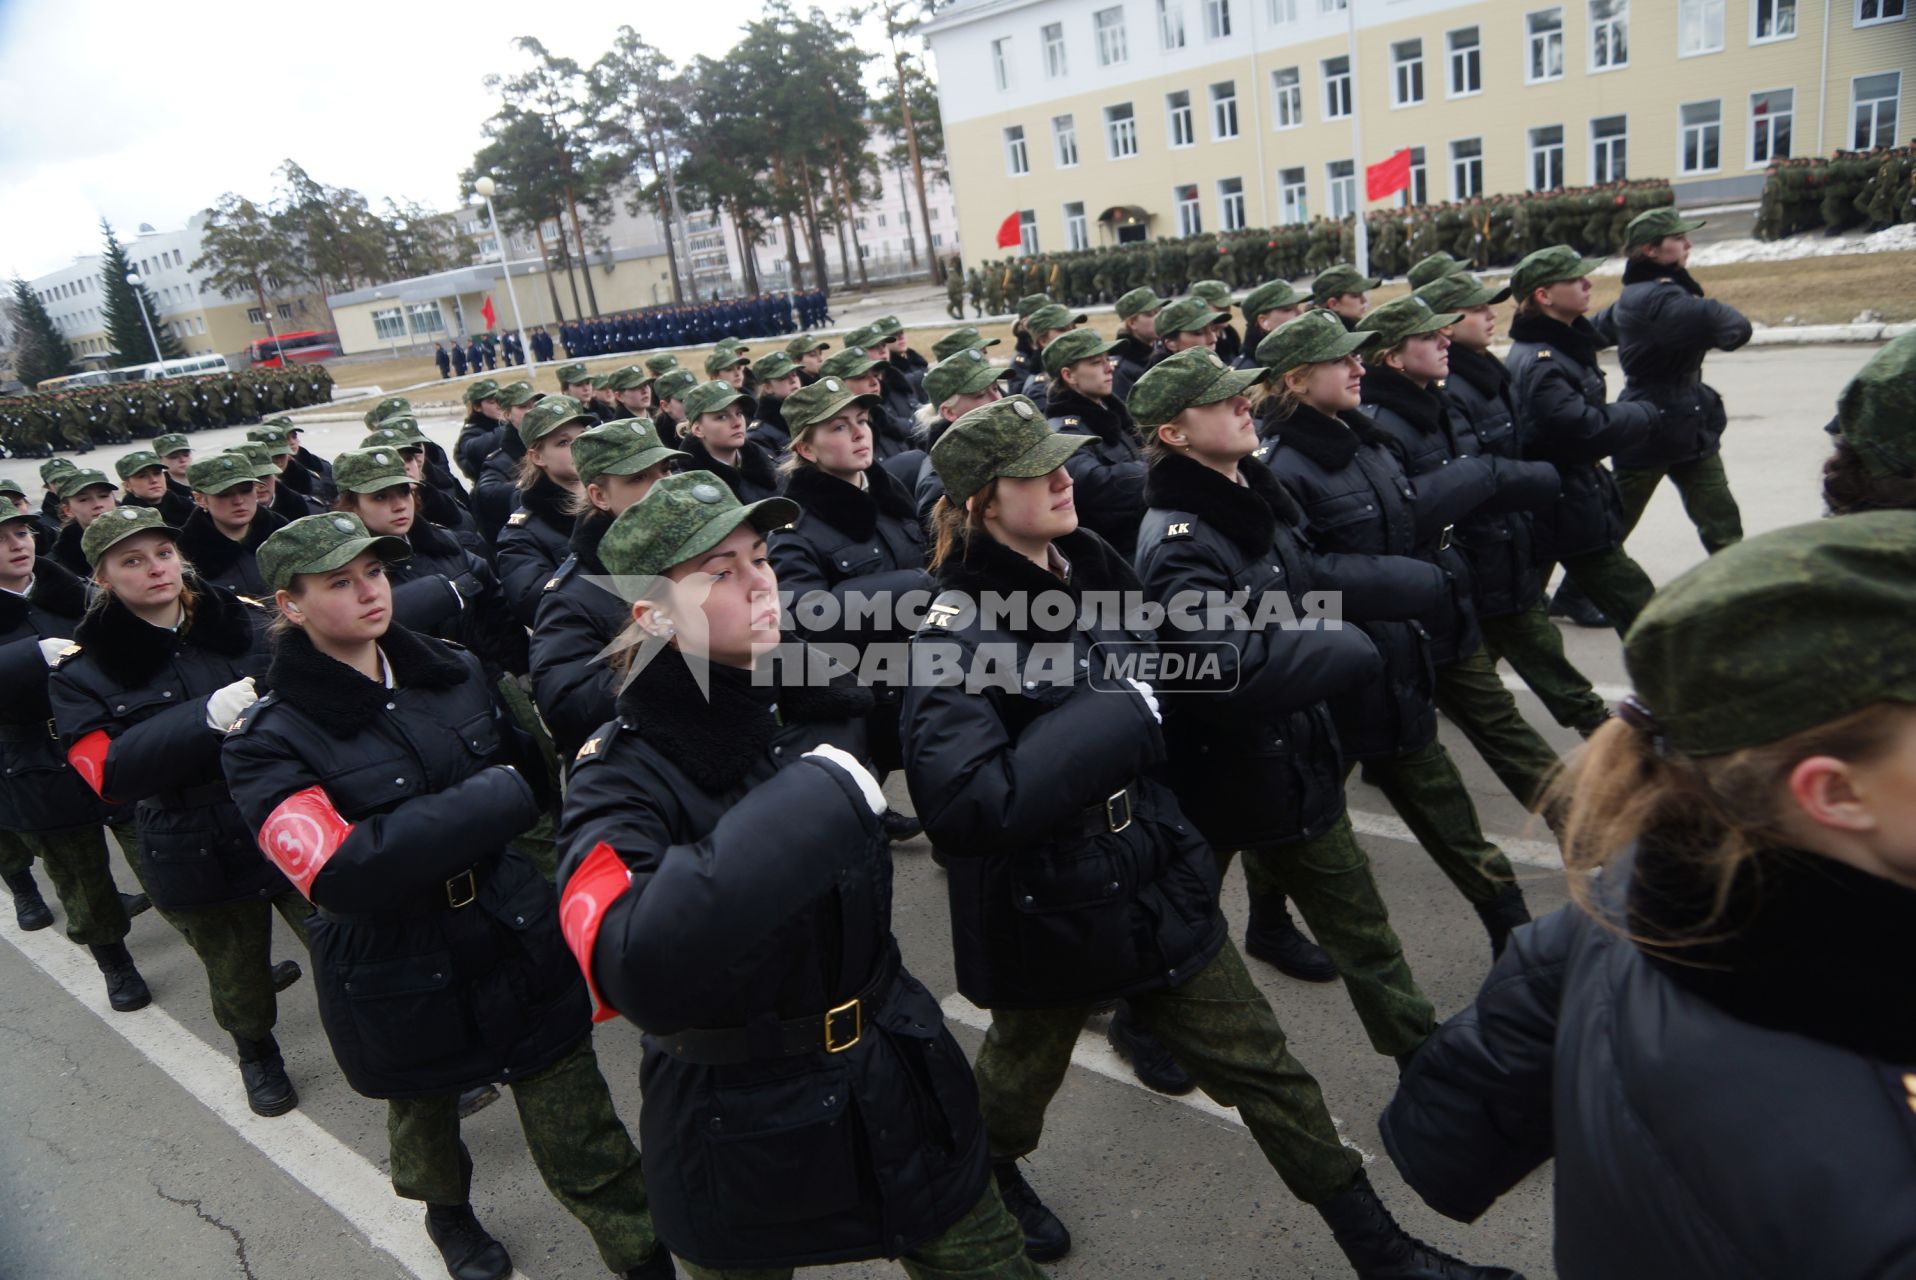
(120, 304)
(39, 350)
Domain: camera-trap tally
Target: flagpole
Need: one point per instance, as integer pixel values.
(1360, 239)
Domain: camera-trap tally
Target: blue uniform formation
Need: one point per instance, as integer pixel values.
(760, 315)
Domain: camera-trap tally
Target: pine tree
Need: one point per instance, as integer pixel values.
(120, 303)
(39, 350)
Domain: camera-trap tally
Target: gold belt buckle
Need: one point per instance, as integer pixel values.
(1443, 539)
(462, 890)
(1118, 801)
(52, 730)
(856, 1009)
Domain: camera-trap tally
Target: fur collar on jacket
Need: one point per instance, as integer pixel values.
(979, 563)
(1109, 420)
(1422, 407)
(1248, 514)
(587, 533)
(754, 463)
(212, 552)
(339, 699)
(847, 508)
(1489, 375)
(1639, 270)
(1578, 341)
(1331, 443)
(547, 502)
(131, 651)
(56, 590)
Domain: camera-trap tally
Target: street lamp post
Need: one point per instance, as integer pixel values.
(133, 279)
(485, 187)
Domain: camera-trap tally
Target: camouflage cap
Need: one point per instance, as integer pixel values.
(274, 438)
(53, 467)
(1341, 279)
(1138, 302)
(569, 375)
(390, 438)
(514, 394)
(629, 378)
(597, 381)
(888, 327)
(622, 448)
(10, 487)
(804, 344)
(119, 524)
(852, 362)
(775, 365)
(1176, 383)
(1406, 317)
(171, 442)
(386, 408)
(710, 397)
(821, 402)
(1031, 302)
(281, 421)
(1186, 315)
(1072, 346)
(1459, 290)
(257, 454)
(729, 343)
(685, 515)
(369, 470)
(71, 482)
(959, 340)
(320, 544)
(484, 389)
(1270, 296)
(220, 473)
(674, 383)
(863, 338)
(1550, 266)
(1780, 633)
(131, 464)
(1431, 268)
(963, 374)
(1050, 317)
(1215, 292)
(1008, 437)
(1313, 338)
(658, 365)
(724, 358)
(548, 416)
(1652, 225)
(1876, 413)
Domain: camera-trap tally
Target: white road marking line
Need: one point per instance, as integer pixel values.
(1094, 1054)
(1532, 853)
(1608, 692)
(351, 1184)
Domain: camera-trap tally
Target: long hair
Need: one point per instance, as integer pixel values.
(104, 598)
(953, 522)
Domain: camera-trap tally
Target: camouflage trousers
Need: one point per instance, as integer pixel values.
(1329, 879)
(234, 941)
(1705, 489)
(1614, 582)
(581, 1148)
(1429, 795)
(1472, 696)
(76, 862)
(985, 1244)
(1533, 647)
(1220, 1028)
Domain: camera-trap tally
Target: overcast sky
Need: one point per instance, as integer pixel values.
(148, 113)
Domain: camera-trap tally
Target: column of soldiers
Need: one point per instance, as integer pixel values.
(758, 315)
(1867, 189)
(83, 418)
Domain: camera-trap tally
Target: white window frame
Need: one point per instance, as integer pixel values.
(1534, 150)
(1417, 191)
(1077, 230)
(1217, 19)
(1171, 35)
(1294, 209)
(1055, 64)
(1402, 68)
(1287, 99)
(1343, 196)
(1332, 83)
(1028, 231)
(1017, 156)
(1535, 42)
(1230, 205)
(1776, 6)
(1882, 12)
(1180, 125)
(1895, 101)
(1684, 130)
(1282, 11)
(1767, 127)
(1114, 47)
(1472, 164)
(1188, 209)
(1224, 111)
(1120, 131)
(1064, 141)
(389, 325)
(1619, 22)
(1001, 63)
(1456, 58)
(422, 318)
(1703, 9)
(1600, 147)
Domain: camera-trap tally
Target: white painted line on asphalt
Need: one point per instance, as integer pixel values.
(1532, 853)
(1094, 1054)
(351, 1184)
(1608, 692)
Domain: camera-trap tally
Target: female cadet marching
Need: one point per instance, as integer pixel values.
(374, 772)
(164, 662)
(534, 539)
(728, 889)
(1715, 1042)
(1074, 877)
(715, 437)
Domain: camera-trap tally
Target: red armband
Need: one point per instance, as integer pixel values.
(589, 894)
(302, 835)
(88, 758)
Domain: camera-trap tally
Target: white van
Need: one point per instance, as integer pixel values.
(190, 367)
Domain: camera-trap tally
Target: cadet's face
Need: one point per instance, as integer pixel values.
(723, 605)
(1332, 386)
(1032, 510)
(232, 510)
(865, 384)
(1351, 306)
(85, 506)
(635, 400)
(1090, 377)
(149, 484)
(177, 463)
(734, 375)
(843, 445)
(1424, 358)
(143, 571)
(1217, 434)
(16, 553)
(414, 460)
(723, 430)
(554, 453)
(578, 390)
(783, 387)
(350, 605)
(1269, 320)
(390, 511)
(516, 414)
(810, 361)
(490, 408)
(613, 494)
(1671, 251)
(1476, 328)
(1143, 327)
(1568, 297)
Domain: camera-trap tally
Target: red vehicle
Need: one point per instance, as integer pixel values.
(304, 347)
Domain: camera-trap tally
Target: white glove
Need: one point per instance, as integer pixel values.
(223, 705)
(52, 648)
(860, 774)
(1150, 699)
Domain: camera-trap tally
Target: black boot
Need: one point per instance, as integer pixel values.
(900, 826)
(657, 1267)
(268, 1091)
(473, 1101)
(1149, 1059)
(470, 1252)
(1574, 606)
(1501, 915)
(30, 910)
(125, 988)
(285, 974)
(135, 903)
(1273, 937)
(1379, 1249)
(1046, 1240)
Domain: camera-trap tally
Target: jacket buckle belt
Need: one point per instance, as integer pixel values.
(1118, 802)
(462, 890)
(854, 1009)
(1443, 539)
(835, 1031)
(1109, 815)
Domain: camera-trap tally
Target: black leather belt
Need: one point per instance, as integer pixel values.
(1113, 813)
(28, 733)
(834, 1031)
(456, 893)
(189, 797)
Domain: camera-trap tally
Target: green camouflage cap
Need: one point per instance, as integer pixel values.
(1431, 268)
(369, 470)
(963, 374)
(1052, 316)
(53, 467)
(387, 408)
(1550, 266)
(852, 362)
(659, 364)
(1313, 338)
(622, 448)
(320, 544)
(390, 438)
(1652, 225)
(1215, 292)
(1341, 279)
(548, 416)
(775, 365)
(1459, 290)
(597, 381)
(11, 488)
(569, 374)
(1072, 346)
(1876, 413)
(723, 358)
(220, 473)
(1401, 318)
(274, 438)
(171, 442)
(959, 340)
(119, 524)
(1271, 296)
(71, 482)
(1139, 301)
(1186, 315)
(731, 344)
(1780, 633)
(863, 338)
(514, 394)
(710, 397)
(484, 389)
(405, 426)
(821, 402)
(804, 344)
(257, 454)
(674, 383)
(1008, 437)
(684, 515)
(131, 464)
(629, 378)
(888, 327)
(1176, 383)
(281, 421)
(1032, 301)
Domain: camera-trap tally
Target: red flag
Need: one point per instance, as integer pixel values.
(487, 313)
(1387, 176)
(1008, 233)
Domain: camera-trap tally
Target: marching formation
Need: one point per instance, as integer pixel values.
(588, 718)
(36, 426)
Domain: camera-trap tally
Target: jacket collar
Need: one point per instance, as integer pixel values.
(587, 533)
(547, 502)
(979, 563)
(339, 699)
(1331, 443)
(133, 651)
(754, 463)
(1641, 270)
(1248, 514)
(1486, 373)
(1422, 407)
(56, 590)
(845, 507)
(212, 552)
(1108, 419)
(429, 539)
(1578, 341)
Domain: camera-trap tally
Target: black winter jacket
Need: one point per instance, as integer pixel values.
(1107, 475)
(571, 684)
(38, 790)
(448, 591)
(1505, 572)
(1663, 326)
(321, 473)
(768, 430)
(753, 478)
(532, 544)
(223, 562)
(175, 507)
(496, 492)
(1132, 358)
(67, 552)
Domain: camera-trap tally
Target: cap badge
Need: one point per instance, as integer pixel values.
(831, 384)
(707, 493)
(381, 458)
(129, 513)
(1024, 409)
(342, 524)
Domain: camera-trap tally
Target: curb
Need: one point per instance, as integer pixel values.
(1803, 335)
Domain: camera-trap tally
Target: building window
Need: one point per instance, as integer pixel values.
(1546, 158)
(1224, 111)
(1230, 203)
(1077, 232)
(1545, 32)
(938, 240)
(1054, 66)
(1609, 34)
(1292, 203)
(1875, 109)
(425, 317)
(1699, 27)
(1170, 25)
(1337, 88)
(1283, 11)
(1028, 231)
(1701, 138)
(1190, 219)
(1217, 19)
(1109, 24)
(199, 325)
(1001, 62)
(1287, 98)
(1868, 11)
(1407, 73)
(1017, 163)
(1609, 140)
(881, 217)
(255, 316)
(1120, 132)
(1177, 107)
(1771, 116)
(1772, 20)
(1418, 192)
(1332, 6)
(1064, 138)
(1343, 185)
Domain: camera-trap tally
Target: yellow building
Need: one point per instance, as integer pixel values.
(1103, 120)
